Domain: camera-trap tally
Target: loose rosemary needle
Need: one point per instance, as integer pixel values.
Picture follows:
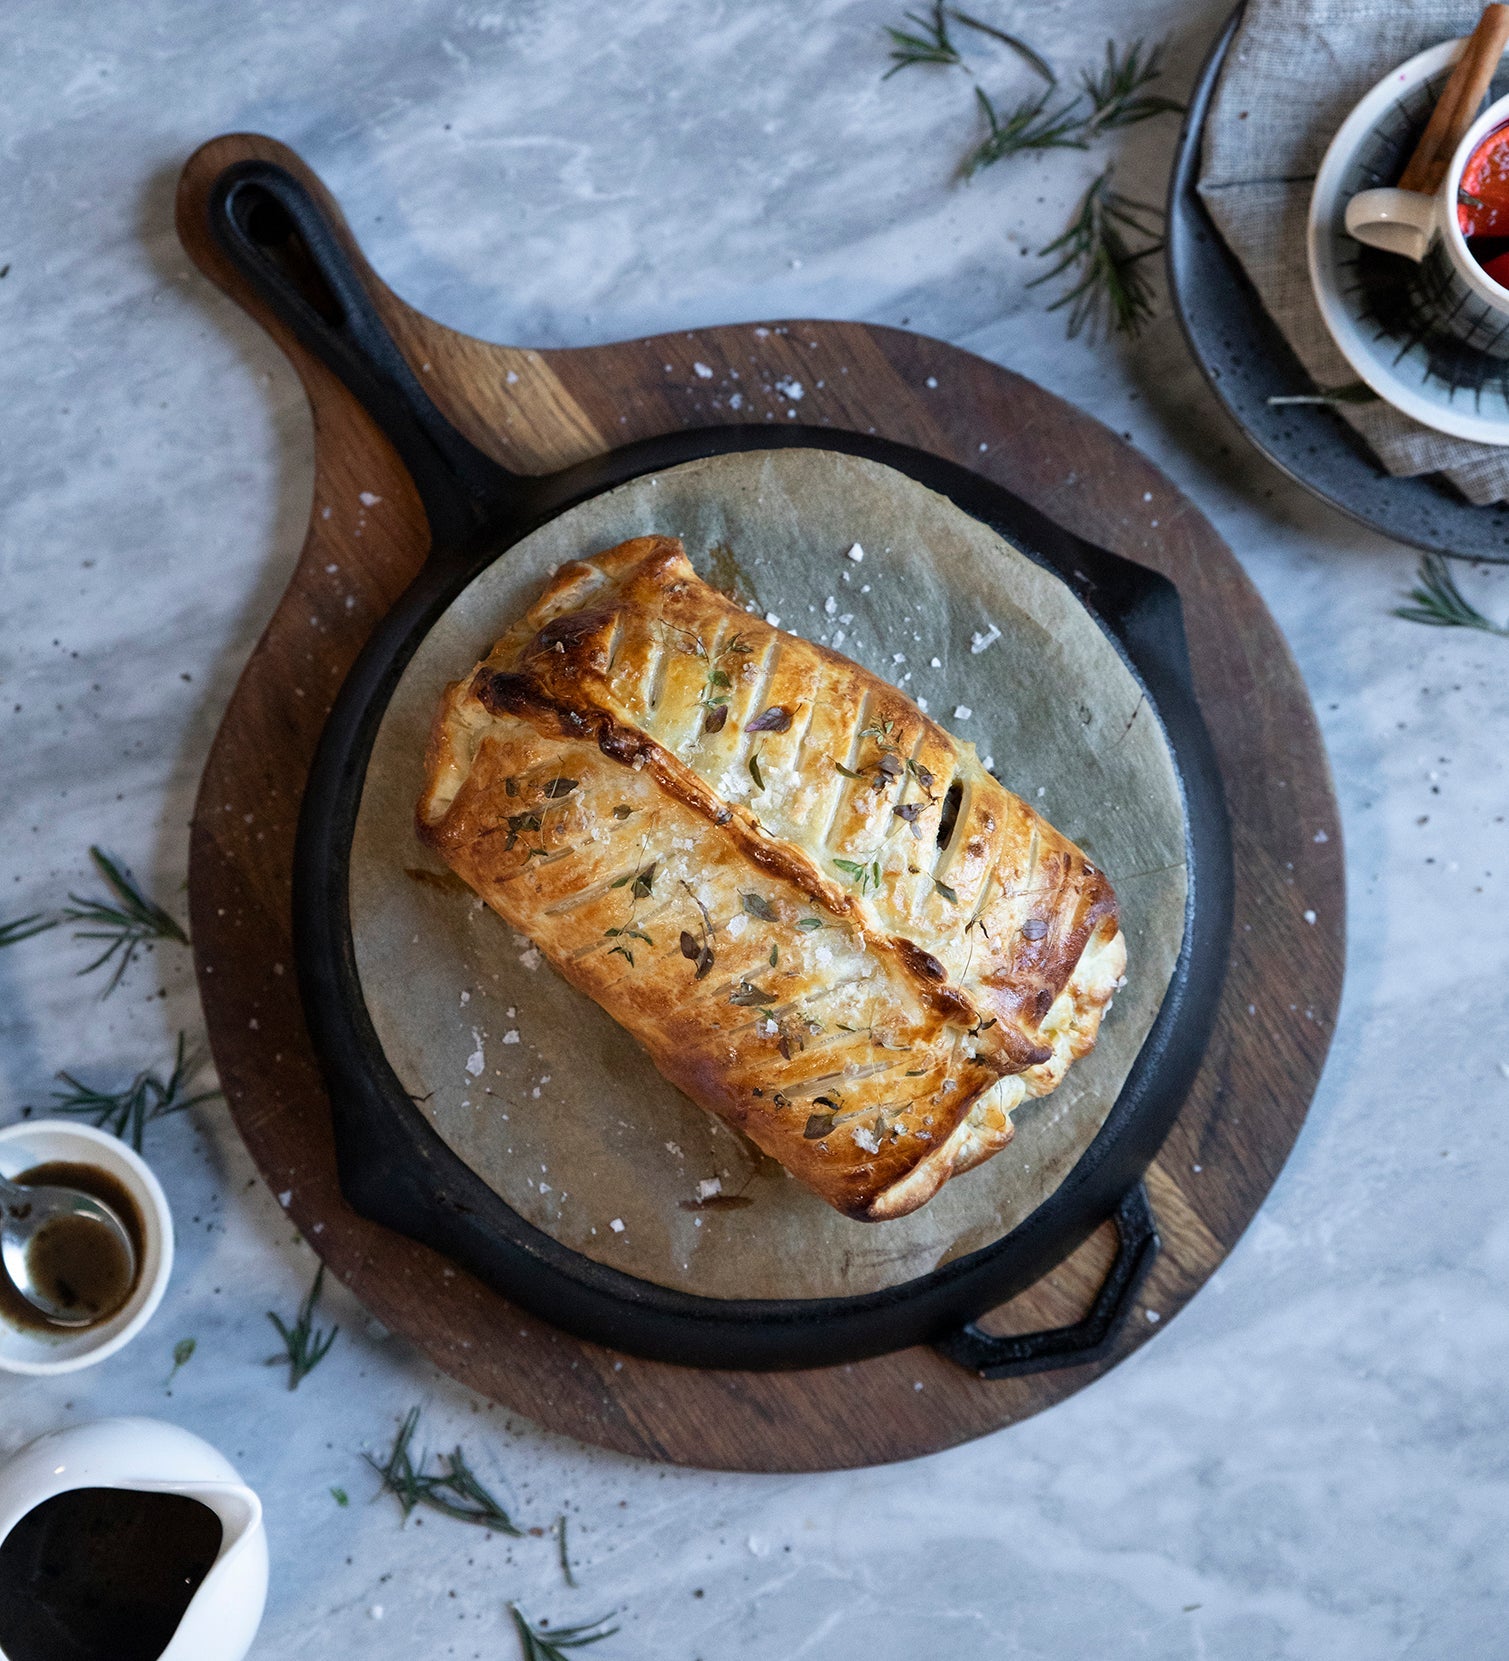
(1116, 94)
(126, 1113)
(1035, 59)
(453, 1490)
(1441, 604)
(306, 1348)
(1110, 288)
(1030, 126)
(540, 1643)
(23, 928)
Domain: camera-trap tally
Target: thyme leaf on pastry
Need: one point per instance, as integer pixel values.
(750, 996)
(700, 954)
(631, 932)
(126, 1113)
(775, 955)
(548, 1643)
(716, 718)
(921, 774)
(1440, 603)
(775, 719)
(622, 811)
(807, 924)
(453, 1490)
(818, 1125)
(949, 894)
(623, 951)
(911, 812)
(754, 770)
(305, 1347)
(1116, 94)
(867, 876)
(758, 906)
(848, 772)
(643, 880)
(561, 787)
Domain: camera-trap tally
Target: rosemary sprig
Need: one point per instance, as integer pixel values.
(125, 923)
(1116, 95)
(126, 1113)
(453, 1490)
(1440, 603)
(306, 1348)
(1110, 287)
(542, 1644)
(1030, 126)
(930, 45)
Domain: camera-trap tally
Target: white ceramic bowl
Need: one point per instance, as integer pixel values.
(37, 1142)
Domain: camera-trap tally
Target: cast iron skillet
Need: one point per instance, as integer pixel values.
(393, 1166)
(1247, 361)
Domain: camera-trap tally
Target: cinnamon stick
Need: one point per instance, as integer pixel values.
(1458, 106)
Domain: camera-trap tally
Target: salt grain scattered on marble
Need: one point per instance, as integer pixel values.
(962, 712)
(936, 663)
(857, 554)
(830, 607)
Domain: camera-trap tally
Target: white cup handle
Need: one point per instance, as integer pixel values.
(1397, 221)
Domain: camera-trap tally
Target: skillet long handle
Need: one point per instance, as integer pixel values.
(280, 240)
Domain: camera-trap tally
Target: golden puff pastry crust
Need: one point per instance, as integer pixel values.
(821, 916)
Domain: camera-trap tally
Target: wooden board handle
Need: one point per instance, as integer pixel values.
(1458, 106)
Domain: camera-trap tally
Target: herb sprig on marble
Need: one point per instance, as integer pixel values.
(1109, 235)
(124, 922)
(1110, 287)
(454, 1489)
(127, 1112)
(305, 1347)
(1437, 601)
(546, 1643)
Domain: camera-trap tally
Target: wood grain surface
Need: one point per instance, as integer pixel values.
(536, 411)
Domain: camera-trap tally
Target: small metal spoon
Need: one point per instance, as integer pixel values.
(24, 1212)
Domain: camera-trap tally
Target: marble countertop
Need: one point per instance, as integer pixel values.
(1311, 1459)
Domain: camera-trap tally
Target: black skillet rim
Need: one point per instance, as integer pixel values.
(393, 1166)
(1246, 360)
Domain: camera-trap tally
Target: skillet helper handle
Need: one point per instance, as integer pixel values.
(1086, 1340)
(281, 241)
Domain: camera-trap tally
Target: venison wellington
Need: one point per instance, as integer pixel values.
(821, 916)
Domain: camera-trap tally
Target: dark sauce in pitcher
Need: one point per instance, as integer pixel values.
(76, 1262)
(102, 1574)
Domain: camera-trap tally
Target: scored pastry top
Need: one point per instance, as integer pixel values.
(823, 918)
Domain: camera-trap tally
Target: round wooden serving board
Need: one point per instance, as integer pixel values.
(536, 412)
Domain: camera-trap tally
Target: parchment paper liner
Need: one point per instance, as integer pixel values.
(547, 1098)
